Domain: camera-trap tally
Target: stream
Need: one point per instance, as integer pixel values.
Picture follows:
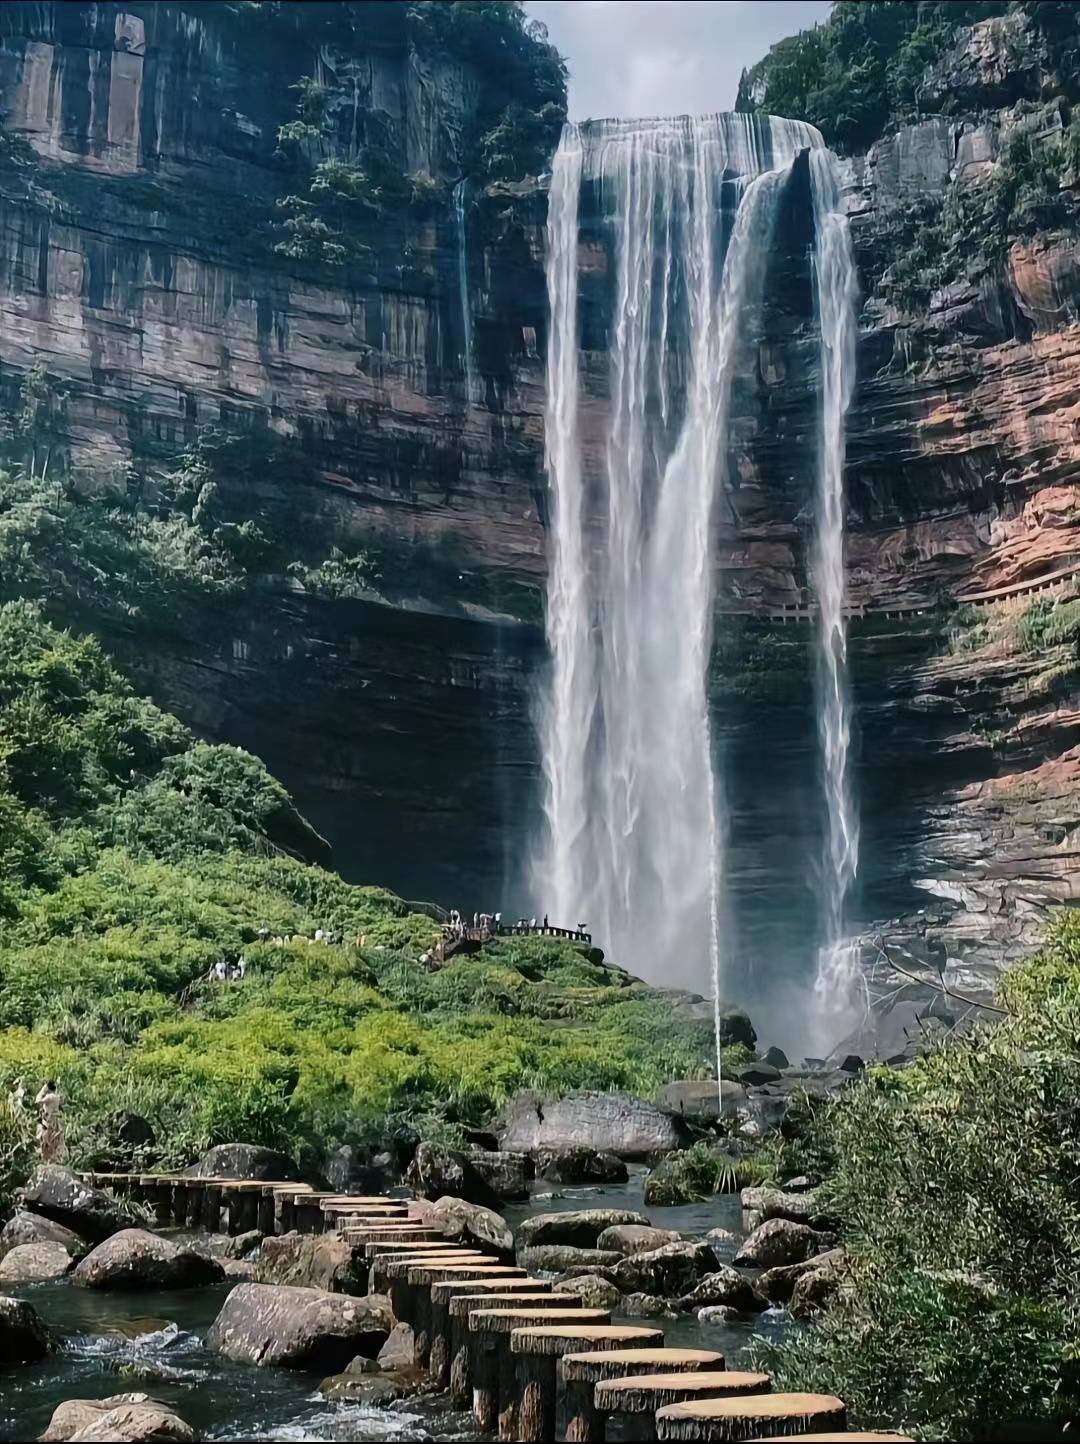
(153, 1342)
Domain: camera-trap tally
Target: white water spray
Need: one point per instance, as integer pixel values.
(460, 196)
(838, 997)
(634, 821)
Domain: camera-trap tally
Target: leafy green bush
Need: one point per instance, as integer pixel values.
(955, 1181)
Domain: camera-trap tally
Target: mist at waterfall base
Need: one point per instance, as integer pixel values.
(635, 808)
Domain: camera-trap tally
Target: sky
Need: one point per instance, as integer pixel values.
(664, 57)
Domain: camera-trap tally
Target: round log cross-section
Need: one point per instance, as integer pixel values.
(419, 1277)
(495, 1389)
(537, 1349)
(459, 1348)
(581, 1372)
(440, 1322)
(642, 1394)
(388, 1267)
(755, 1417)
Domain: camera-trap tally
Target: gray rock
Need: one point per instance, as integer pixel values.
(717, 1314)
(22, 1334)
(700, 1100)
(25, 1227)
(852, 1064)
(129, 1418)
(245, 1161)
(580, 1165)
(760, 1204)
(369, 1389)
(778, 1241)
(298, 1328)
(816, 1288)
(608, 1122)
(723, 1286)
(646, 1306)
(669, 1271)
(594, 1290)
(557, 1258)
(631, 1238)
(754, 1074)
(350, 1170)
(399, 1351)
(721, 1239)
(30, 1263)
(460, 1219)
(778, 1284)
(736, 1028)
(57, 1193)
(436, 1171)
(238, 1270)
(504, 1175)
(314, 1262)
(579, 1227)
(226, 1246)
(776, 1058)
(135, 1259)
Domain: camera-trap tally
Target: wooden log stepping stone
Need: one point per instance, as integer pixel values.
(390, 1273)
(495, 1393)
(374, 1247)
(757, 1417)
(579, 1374)
(537, 1348)
(456, 1291)
(421, 1276)
(448, 1306)
(642, 1394)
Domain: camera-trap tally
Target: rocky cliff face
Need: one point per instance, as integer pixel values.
(141, 263)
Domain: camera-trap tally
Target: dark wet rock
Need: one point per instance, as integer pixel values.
(721, 1239)
(557, 1258)
(699, 1099)
(594, 1290)
(736, 1028)
(776, 1058)
(754, 1074)
(313, 1261)
(504, 1175)
(578, 1228)
(723, 1286)
(371, 1389)
(126, 1137)
(851, 1064)
(608, 1122)
(298, 1328)
(128, 1418)
(760, 1204)
(357, 1170)
(646, 1306)
(631, 1238)
(580, 1165)
(29, 1263)
(226, 1246)
(399, 1351)
(801, 1183)
(59, 1194)
(23, 1338)
(25, 1227)
(245, 1161)
(436, 1171)
(778, 1284)
(778, 1241)
(136, 1259)
(669, 1271)
(816, 1287)
(460, 1219)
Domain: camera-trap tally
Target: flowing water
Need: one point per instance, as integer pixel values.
(460, 198)
(634, 822)
(838, 999)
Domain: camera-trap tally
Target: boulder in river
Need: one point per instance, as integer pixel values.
(245, 1161)
(699, 1099)
(594, 1291)
(607, 1122)
(631, 1238)
(669, 1271)
(558, 1258)
(25, 1227)
(463, 1221)
(356, 1170)
(22, 1334)
(645, 1306)
(436, 1171)
(760, 1204)
(505, 1175)
(815, 1288)
(580, 1165)
(399, 1351)
(776, 1058)
(777, 1241)
(778, 1284)
(754, 1074)
(578, 1227)
(136, 1259)
(129, 1418)
(313, 1261)
(724, 1286)
(298, 1328)
(33, 1263)
(61, 1195)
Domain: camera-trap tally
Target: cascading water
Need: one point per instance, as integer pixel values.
(634, 824)
(460, 196)
(837, 993)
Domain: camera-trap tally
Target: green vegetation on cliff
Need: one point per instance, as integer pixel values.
(955, 1181)
(133, 858)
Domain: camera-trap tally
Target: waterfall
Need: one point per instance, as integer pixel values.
(634, 820)
(460, 196)
(836, 986)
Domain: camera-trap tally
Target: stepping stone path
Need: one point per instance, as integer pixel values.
(580, 1373)
(538, 1348)
(495, 1387)
(534, 1292)
(756, 1417)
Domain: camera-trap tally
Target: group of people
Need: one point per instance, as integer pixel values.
(229, 970)
(49, 1134)
(281, 940)
(457, 926)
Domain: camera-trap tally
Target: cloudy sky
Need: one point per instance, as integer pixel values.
(665, 57)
